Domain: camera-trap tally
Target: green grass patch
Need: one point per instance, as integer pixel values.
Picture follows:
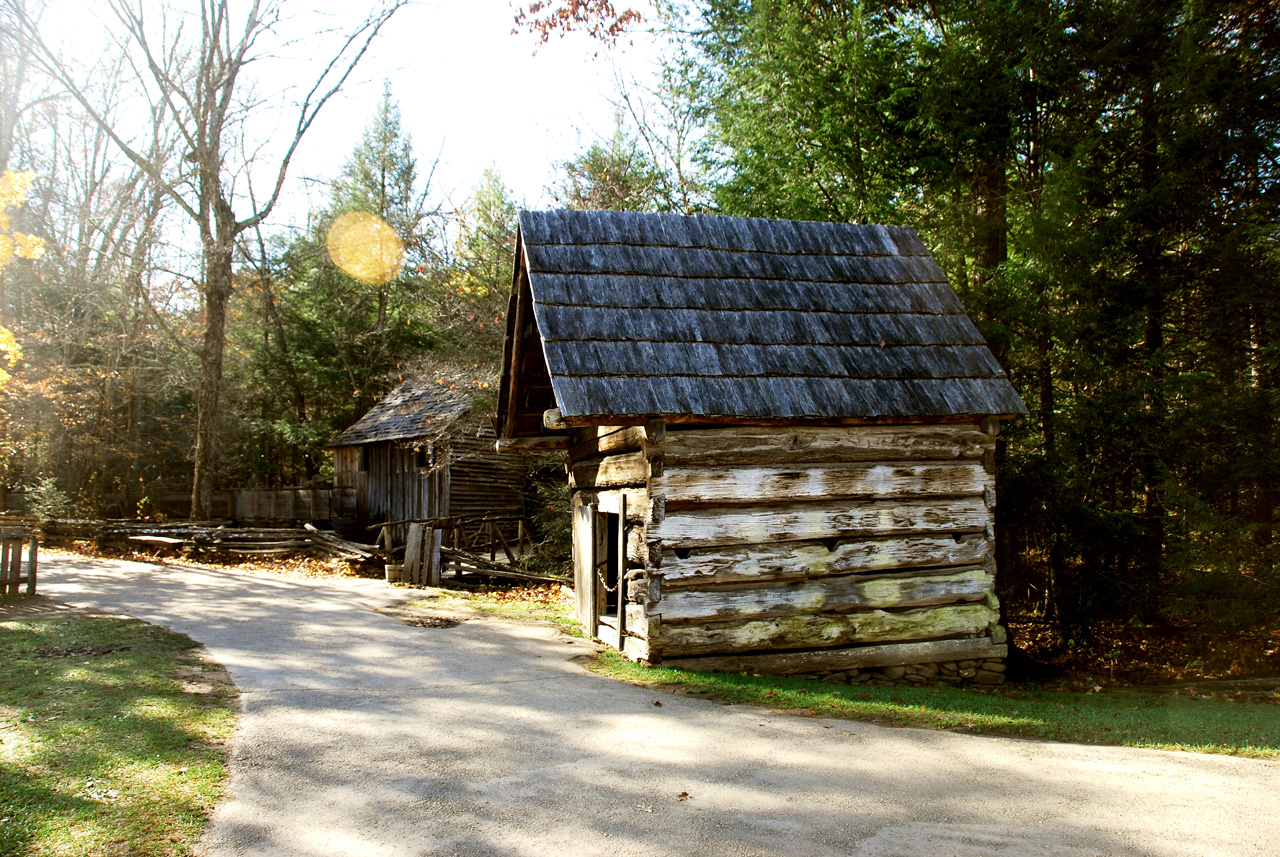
(111, 734)
(1131, 719)
(545, 603)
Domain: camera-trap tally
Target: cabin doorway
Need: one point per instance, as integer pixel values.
(600, 568)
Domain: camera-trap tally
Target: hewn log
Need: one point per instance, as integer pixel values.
(544, 443)
(814, 521)
(793, 445)
(639, 509)
(859, 657)
(687, 486)
(799, 560)
(614, 471)
(617, 439)
(829, 595)
(807, 632)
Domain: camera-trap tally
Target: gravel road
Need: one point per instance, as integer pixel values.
(362, 735)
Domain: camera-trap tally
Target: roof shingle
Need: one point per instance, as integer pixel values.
(646, 314)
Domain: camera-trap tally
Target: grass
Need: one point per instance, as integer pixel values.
(1132, 719)
(103, 748)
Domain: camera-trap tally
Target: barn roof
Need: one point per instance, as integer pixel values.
(419, 407)
(649, 314)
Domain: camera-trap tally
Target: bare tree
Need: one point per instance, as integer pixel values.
(193, 80)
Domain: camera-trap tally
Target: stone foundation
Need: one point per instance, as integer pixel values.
(987, 673)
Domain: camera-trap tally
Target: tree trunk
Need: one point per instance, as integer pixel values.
(217, 294)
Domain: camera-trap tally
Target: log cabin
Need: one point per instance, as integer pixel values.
(424, 451)
(780, 440)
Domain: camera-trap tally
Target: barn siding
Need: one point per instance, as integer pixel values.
(465, 478)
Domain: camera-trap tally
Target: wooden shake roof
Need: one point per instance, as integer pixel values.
(418, 408)
(648, 315)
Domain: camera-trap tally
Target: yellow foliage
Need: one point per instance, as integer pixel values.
(10, 353)
(13, 193)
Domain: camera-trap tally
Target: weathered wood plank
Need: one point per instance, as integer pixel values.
(740, 446)
(804, 632)
(813, 521)
(431, 558)
(413, 555)
(859, 657)
(614, 471)
(832, 594)
(686, 486)
(584, 590)
(799, 560)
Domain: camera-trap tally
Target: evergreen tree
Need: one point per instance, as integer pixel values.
(327, 345)
(1098, 181)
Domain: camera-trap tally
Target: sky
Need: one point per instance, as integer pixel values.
(472, 93)
(476, 95)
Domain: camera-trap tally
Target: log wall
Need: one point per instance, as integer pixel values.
(790, 549)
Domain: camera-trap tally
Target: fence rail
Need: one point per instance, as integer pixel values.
(202, 537)
(12, 540)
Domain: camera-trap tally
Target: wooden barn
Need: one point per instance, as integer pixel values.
(780, 437)
(422, 452)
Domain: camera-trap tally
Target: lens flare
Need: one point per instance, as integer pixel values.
(363, 246)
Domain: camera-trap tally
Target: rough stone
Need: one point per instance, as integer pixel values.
(984, 677)
(893, 673)
(967, 665)
(968, 672)
(993, 666)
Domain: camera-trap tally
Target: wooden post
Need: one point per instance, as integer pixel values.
(432, 556)
(32, 548)
(4, 565)
(11, 539)
(413, 555)
(584, 566)
(622, 573)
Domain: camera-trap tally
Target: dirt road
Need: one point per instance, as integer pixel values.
(364, 736)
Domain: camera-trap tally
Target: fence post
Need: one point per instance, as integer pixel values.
(32, 549)
(4, 564)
